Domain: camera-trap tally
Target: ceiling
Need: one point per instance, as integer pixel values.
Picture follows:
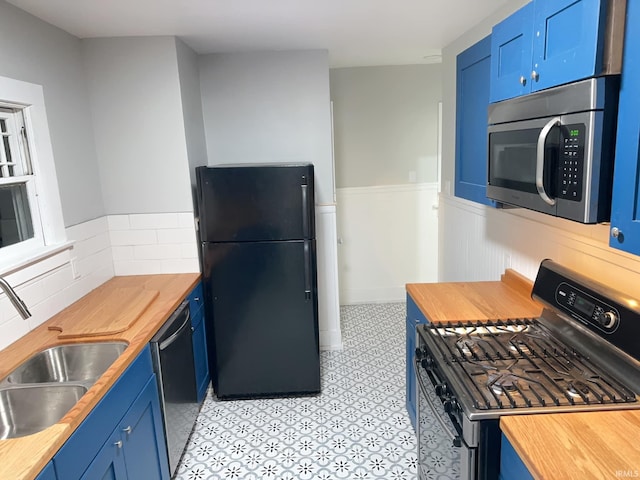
(355, 32)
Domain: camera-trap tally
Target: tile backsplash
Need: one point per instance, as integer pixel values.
(133, 244)
(153, 243)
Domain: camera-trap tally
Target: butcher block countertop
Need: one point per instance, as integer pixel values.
(449, 302)
(580, 446)
(23, 458)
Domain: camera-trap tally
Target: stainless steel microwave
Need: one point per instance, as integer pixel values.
(553, 151)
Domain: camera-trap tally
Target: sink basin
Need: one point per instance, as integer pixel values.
(78, 362)
(29, 409)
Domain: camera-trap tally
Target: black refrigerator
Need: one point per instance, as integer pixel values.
(257, 233)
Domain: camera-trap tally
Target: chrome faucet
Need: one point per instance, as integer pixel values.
(15, 299)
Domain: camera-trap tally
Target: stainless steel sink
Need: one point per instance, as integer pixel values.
(79, 362)
(29, 409)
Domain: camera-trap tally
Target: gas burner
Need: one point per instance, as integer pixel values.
(503, 380)
(578, 389)
(470, 346)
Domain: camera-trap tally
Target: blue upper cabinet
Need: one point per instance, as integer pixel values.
(511, 54)
(472, 100)
(625, 208)
(567, 41)
(560, 41)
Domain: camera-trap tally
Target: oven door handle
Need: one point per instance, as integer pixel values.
(542, 138)
(455, 439)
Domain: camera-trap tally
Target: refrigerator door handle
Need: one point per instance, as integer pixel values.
(305, 210)
(307, 270)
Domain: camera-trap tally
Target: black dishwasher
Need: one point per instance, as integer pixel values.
(173, 362)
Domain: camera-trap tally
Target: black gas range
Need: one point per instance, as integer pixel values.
(582, 354)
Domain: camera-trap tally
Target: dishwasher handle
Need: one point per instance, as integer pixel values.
(165, 343)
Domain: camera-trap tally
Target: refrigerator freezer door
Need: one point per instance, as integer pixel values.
(256, 203)
(263, 324)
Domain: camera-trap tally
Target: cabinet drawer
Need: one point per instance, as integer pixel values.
(84, 444)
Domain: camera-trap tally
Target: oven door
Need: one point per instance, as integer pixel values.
(442, 453)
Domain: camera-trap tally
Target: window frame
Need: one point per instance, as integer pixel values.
(42, 184)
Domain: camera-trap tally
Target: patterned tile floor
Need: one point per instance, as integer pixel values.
(357, 428)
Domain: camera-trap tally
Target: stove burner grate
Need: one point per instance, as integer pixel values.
(517, 363)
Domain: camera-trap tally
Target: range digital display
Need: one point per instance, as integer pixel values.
(584, 306)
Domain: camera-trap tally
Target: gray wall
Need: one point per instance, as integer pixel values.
(189, 76)
(386, 124)
(34, 51)
(264, 107)
(139, 125)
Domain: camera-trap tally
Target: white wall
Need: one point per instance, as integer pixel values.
(139, 125)
(385, 123)
(389, 237)
(478, 242)
(36, 52)
(265, 107)
(189, 76)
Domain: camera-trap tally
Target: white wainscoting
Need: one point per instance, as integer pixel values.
(478, 243)
(388, 237)
(328, 292)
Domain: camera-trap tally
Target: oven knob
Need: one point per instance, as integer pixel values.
(427, 362)
(607, 319)
(441, 389)
(450, 406)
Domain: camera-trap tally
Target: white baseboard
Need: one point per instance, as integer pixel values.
(373, 295)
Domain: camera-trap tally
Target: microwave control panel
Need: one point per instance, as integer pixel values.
(571, 162)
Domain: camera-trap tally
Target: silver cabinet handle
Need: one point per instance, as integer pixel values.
(118, 444)
(615, 232)
(127, 430)
(535, 75)
(196, 299)
(542, 138)
(523, 80)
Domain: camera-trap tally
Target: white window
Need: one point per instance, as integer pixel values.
(19, 221)
(30, 212)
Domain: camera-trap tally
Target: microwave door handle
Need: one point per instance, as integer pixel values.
(542, 138)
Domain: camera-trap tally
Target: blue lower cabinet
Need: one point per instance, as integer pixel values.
(200, 353)
(47, 473)
(142, 436)
(414, 318)
(109, 462)
(511, 465)
(122, 437)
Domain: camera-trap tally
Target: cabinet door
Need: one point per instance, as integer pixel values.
(89, 438)
(108, 464)
(511, 49)
(142, 436)
(472, 100)
(511, 465)
(567, 41)
(625, 207)
(414, 318)
(47, 473)
(200, 354)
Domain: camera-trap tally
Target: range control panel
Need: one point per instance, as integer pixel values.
(571, 162)
(587, 308)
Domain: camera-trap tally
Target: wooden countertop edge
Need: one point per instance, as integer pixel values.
(23, 458)
(464, 301)
(593, 441)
